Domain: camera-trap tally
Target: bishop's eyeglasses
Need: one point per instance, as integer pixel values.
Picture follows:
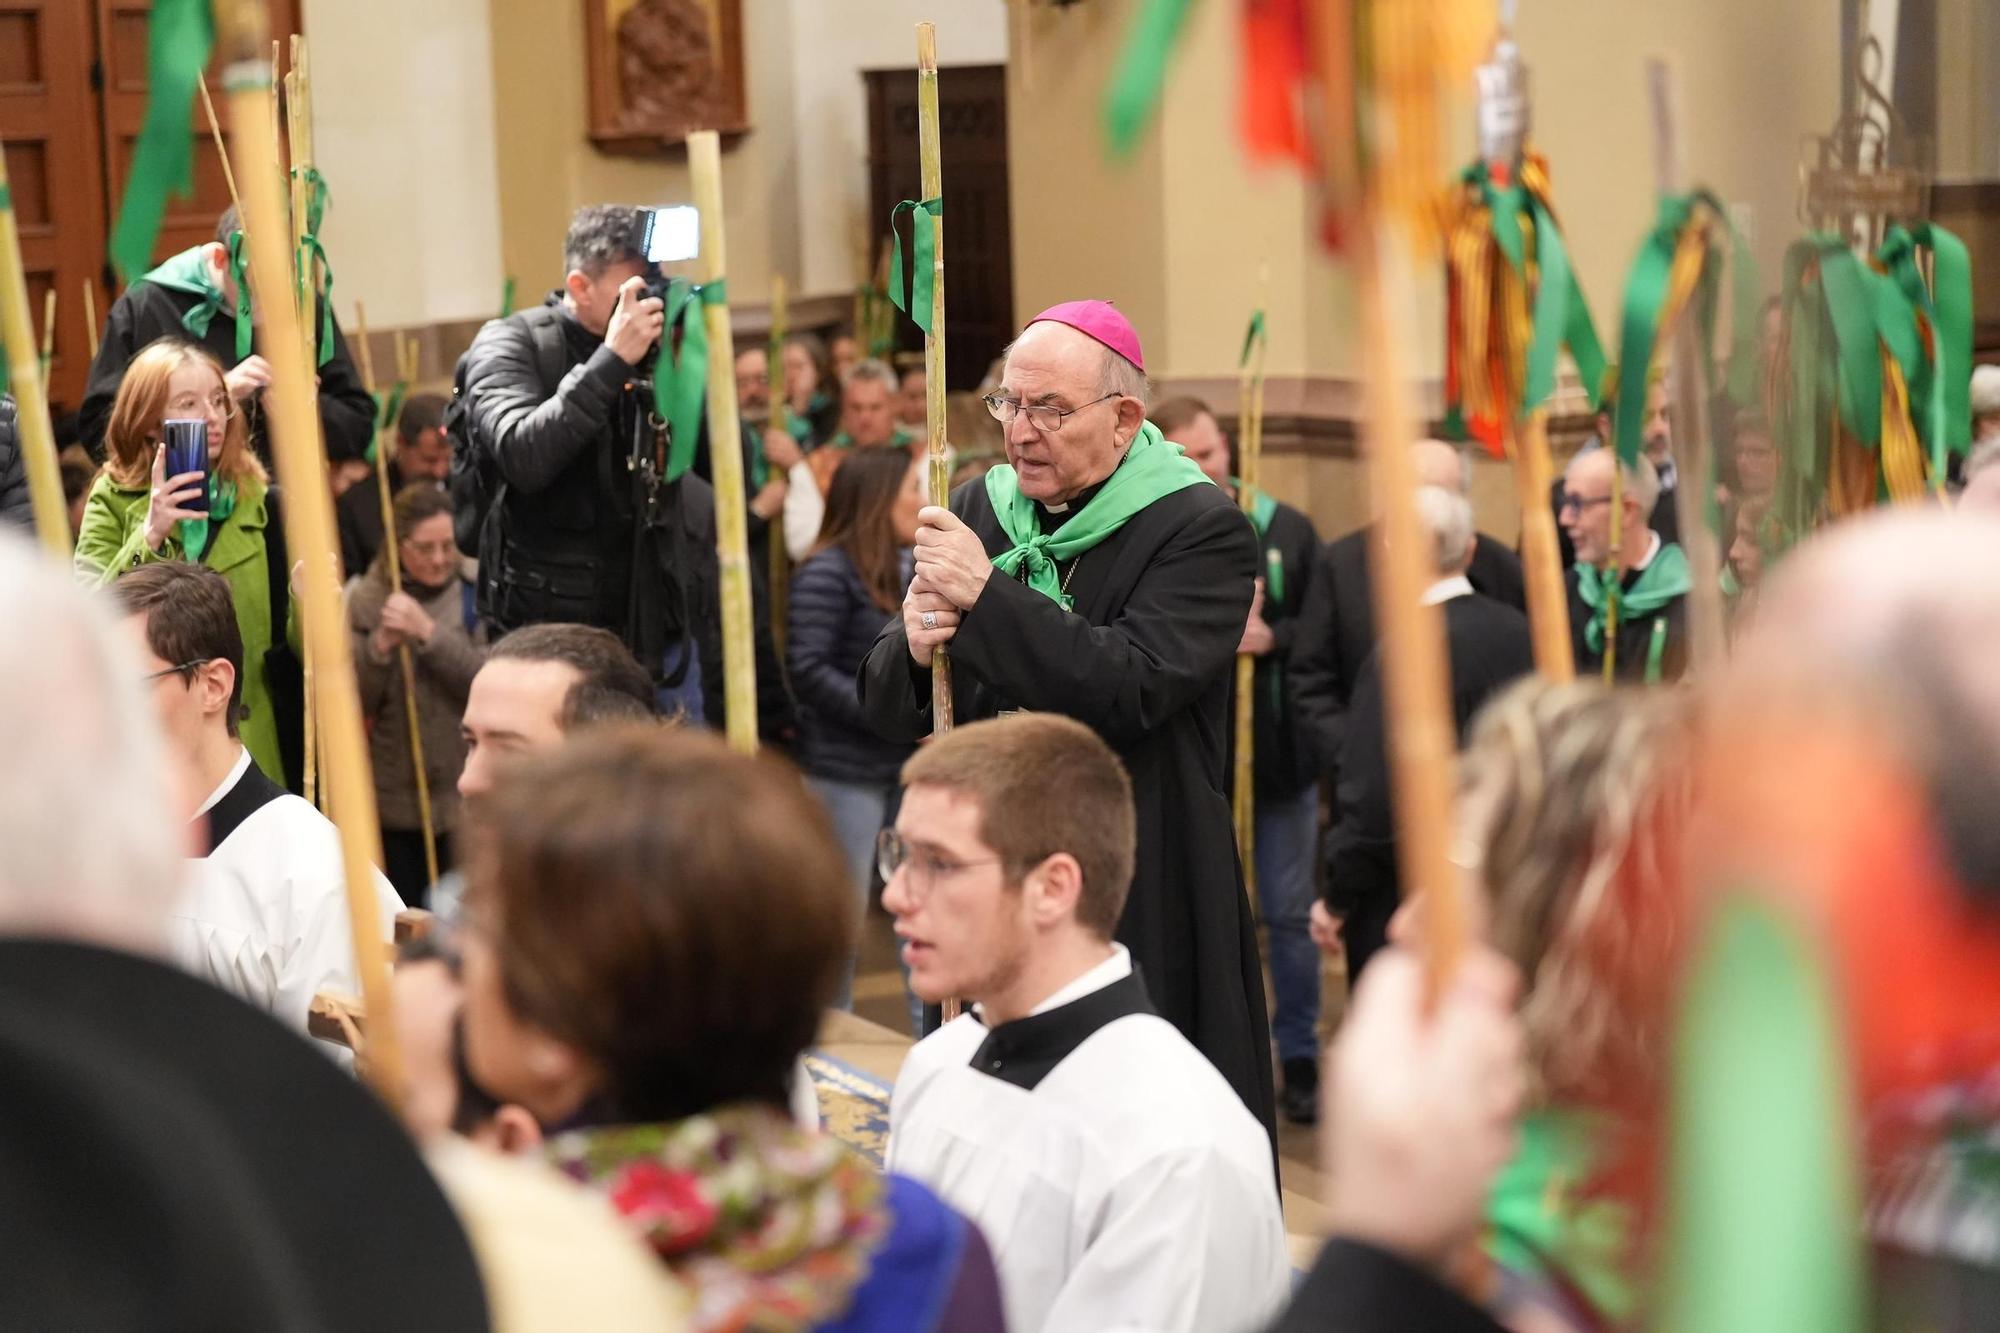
(1044, 417)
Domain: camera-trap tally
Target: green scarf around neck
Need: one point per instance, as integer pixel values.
(196, 533)
(1668, 577)
(1152, 469)
(189, 272)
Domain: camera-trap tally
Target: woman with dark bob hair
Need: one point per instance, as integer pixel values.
(654, 926)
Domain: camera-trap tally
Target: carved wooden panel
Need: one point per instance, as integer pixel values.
(657, 69)
(978, 229)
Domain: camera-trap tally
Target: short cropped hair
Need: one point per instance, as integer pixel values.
(421, 412)
(1447, 517)
(600, 235)
(1174, 413)
(1642, 479)
(872, 368)
(677, 912)
(611, 685)
(190, 617)
(1044, 784)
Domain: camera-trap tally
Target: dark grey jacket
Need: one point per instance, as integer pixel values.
(15, 504)
(831, 625)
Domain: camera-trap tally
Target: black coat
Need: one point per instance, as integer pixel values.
(1283, 763)
(1357, 1288)
(357, 515)
(831, 625)
(16, 501)
(1635, 638)
(1337, 632)
(1144, 660)
(1488, 647)
(147, 312)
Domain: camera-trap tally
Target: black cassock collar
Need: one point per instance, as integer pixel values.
(1048, 520)
(250, 793)
(1024, 1051)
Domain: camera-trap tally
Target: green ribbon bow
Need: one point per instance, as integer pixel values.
(921, 301)
(1141, 75)
(310, 249)
(1668, 577)
(1645, 299)
(179, 37)
(1561, 316)
(1152, 468)
(681, 396)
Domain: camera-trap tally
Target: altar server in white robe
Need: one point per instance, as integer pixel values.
(1118, 1177)
(263, 912)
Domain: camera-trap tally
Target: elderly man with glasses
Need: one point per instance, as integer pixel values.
(1632, 596)
(1098, 573)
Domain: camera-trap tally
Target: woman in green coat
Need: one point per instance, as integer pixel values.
(135, 514)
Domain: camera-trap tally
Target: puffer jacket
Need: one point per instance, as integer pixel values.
(16, 502)
(832, 625)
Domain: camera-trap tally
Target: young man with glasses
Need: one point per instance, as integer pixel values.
(264, 912)
(1119, 1180)
(1650, 574)
(1099, 574)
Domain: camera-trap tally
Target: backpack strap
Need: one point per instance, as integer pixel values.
(277, 562)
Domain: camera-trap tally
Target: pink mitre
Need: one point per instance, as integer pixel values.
(1101, 321)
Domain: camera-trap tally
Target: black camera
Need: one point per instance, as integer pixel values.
(665, 236)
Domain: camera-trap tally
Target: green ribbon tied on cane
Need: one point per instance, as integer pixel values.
(388, 407)
(507, 297)
(680, 397)
(1942, 382)
(1561, 316)
(239, 274)
(1645, 302)
(180, 34)
(1141, 75)
(310, 250)
(1251, 337)
(921, 301)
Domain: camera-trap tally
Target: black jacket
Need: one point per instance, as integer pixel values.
(1356, 1288)
(1337, 632)
(1489, 648)
(357, 514)
(147, 312)
(16, 502)
(1635, 638)
(831, 625)
(1283, 761)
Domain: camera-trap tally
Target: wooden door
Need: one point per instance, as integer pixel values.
(978, 229)
(48, 121)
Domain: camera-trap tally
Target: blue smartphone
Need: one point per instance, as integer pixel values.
(187, 451)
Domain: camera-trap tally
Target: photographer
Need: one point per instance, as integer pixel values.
(557, 478)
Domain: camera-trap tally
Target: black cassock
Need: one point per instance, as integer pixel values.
(1144, 661)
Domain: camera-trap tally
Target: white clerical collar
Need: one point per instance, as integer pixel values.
(1652, 549)
(1115, 968)
(1446, 589)
(236, 772)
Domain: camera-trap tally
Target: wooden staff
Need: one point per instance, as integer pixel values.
(1541, 556)
(931, 186)
(298, 125)
(221, 150)
(1249, 449)
(309, 529)
(48, 332)
(780, 562)
(393, 562)
(90, 315)
(732, 536)
(31, 403)
(1691, 363)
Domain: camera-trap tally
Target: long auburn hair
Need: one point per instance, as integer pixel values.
(134, 428)
(860, 520)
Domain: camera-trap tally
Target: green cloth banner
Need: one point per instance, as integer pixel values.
(1561, 316)
(1152, 468)
(180, 34)
(1141, 74)
(681, 397)
(921, 302)
(1943, 381)
(1763, 1225)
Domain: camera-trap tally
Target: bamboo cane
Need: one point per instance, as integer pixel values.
(1691, 362)
(739, 666)
(90, 315)
(931, 186)
(779, 569)
(1541, 557)
(392, 562)
(1249, 449)
(48, 332)
(295, 443)
(298, 125)
(31, 403)
(221, 151)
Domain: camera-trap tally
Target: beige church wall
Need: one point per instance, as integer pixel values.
(403, 119)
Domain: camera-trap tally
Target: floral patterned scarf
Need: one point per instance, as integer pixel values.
(767, 1226)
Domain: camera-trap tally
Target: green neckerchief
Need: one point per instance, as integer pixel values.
(1666, 578)
(1152, 468)
(1262, 510)
(1544, 1223)
(197, 532)
(902, 439)
(189, 272)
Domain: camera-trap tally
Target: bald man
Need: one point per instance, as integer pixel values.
(1337, 624)
(1652, 574)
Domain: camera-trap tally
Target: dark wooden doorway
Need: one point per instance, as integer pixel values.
(978, 230)
(72, 95)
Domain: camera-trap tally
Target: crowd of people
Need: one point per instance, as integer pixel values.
(634, 932)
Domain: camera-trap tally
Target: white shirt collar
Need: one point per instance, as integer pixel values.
(1446, 589)
(1652, 549)
(1115, 968)
(236, 772)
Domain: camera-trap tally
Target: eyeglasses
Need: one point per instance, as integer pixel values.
(926, 868)
(1580, 504)
(185, 670)
(217, 402)
(444, 550)
(1044, 417)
